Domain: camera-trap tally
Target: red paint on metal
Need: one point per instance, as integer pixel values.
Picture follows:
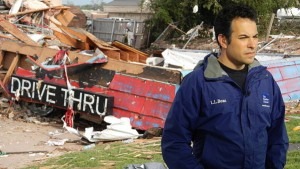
(289, 85)
(145, 102)
(138, 120)
(58, 81)
(289, 72)
(24, 72)
(156, 108)
(127, 101)
(276, 73)
(143, 87)
(96, 89)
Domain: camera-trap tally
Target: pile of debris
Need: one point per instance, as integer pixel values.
(46, 39)
(49, 24)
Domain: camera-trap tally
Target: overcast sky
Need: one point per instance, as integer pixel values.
(83, 2)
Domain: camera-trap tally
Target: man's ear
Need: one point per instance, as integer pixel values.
(222, 40)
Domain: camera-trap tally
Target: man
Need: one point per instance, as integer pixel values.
(229, 112)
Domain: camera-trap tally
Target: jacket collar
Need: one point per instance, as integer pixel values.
(212, 68)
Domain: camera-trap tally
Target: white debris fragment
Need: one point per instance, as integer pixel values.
(56, 142)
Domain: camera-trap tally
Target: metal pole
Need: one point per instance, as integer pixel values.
(92, 26)
(162, 33)
(43, 22)
(193, 35)
(113, 30)
(134, 25)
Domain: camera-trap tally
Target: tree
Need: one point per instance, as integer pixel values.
(96, 2)
(181, 13)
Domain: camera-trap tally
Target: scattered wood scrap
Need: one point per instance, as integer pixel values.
(29, 32)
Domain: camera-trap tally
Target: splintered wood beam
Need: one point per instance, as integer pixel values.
(1, 57)
(94, 41)
(129, 48)
(65, 17)
(6, 36)
(112, 54)
(77, 34)
(124, 56)
(142, 58)
(11, 68)
(71, 41)
(133, 57)
(41, 52)
(12, 29)
(36, 10)
(114, 63)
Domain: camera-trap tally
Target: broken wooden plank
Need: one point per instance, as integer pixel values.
(8, 58)
(133, 57)
(6, 36)
(11, 69)
(112, 54)
(65, 17)
(167, 75)
(141, 57)
(41, 52)
(73, 33)
(1, 57)
(97, 42)
(36, 10)
(128, 48)
(12, 29)
(71, 41)
(124, 56)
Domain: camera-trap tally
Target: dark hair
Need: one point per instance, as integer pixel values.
(225, 17)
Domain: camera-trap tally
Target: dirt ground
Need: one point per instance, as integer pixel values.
(31, 139)
(27, 138)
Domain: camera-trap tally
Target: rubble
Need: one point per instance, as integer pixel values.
(45, 40)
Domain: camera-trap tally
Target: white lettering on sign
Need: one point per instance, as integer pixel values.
(61, 96)
(88, 100)
(50, 93)
(26, 87)
(41, 93)
(104, 105)
(65, 94)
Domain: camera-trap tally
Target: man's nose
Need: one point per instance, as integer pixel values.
(252, 43)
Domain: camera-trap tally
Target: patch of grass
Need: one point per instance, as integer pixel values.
(117, 155)
(108, 156)
(293, 160)
(294, 136)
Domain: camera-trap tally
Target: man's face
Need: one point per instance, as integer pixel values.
(243, 45)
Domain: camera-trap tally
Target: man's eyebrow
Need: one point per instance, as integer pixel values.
(245, 35)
